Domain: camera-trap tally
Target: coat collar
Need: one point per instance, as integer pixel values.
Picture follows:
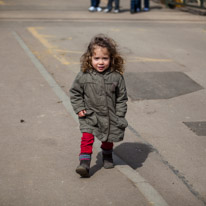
(95, 72)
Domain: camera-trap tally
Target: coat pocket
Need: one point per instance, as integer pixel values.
(122, 122)
(119, 122)
(91, 118)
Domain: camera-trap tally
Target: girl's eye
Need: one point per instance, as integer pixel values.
(97, 58)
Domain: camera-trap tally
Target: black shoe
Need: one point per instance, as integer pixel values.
(107, 160)
(83, 168)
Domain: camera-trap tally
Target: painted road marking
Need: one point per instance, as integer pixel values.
(2, 3)
(145, 59)
(153, 197)
(67, 51)
(52, 49)
(59, 53)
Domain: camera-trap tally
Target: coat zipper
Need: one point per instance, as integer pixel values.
(106, 106)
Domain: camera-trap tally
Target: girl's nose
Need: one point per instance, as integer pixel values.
(100, 61)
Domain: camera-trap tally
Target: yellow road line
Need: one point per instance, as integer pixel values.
(144, 59)
(2, 3)
(41, 38)
(47, 36)
(67, 51)
(52, 49)
(59, 53)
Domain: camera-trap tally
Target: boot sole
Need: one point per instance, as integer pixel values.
(108, 166)
(83, 172)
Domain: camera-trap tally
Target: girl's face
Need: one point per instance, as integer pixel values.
(100, 59)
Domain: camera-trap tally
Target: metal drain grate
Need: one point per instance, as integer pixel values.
(199, 128)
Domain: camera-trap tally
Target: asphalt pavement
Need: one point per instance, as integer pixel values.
(162, 159)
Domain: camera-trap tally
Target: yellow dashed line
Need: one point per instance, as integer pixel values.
(61, 59)
(2, 3)
(47, 36)
(60, 53)
(41, 38)
(53, 50)
(67, 51)
(144, 59)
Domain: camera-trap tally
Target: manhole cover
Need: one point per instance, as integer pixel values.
(159, 85)
(199, 128)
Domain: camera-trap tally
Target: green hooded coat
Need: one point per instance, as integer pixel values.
(104, 97)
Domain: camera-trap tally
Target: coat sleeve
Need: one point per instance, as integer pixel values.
(121, 98)
(77, 94)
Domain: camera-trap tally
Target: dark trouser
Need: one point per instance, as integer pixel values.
(146, 4)
(137, 4)
(95, 3)
(134, 4)
(109, 5)
(87, 144)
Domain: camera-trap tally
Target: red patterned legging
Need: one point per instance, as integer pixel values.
(87, 144)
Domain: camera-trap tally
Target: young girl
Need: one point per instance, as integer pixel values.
(98, 96)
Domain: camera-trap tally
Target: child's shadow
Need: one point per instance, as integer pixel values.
(98, 164)
(134, 154)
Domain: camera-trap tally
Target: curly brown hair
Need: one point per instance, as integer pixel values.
(116, 61)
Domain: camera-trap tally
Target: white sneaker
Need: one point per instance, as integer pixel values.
(92, 9)
(99, 9)
(107, 10)
(116, 11)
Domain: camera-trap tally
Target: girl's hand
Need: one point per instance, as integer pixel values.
(82, 113)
